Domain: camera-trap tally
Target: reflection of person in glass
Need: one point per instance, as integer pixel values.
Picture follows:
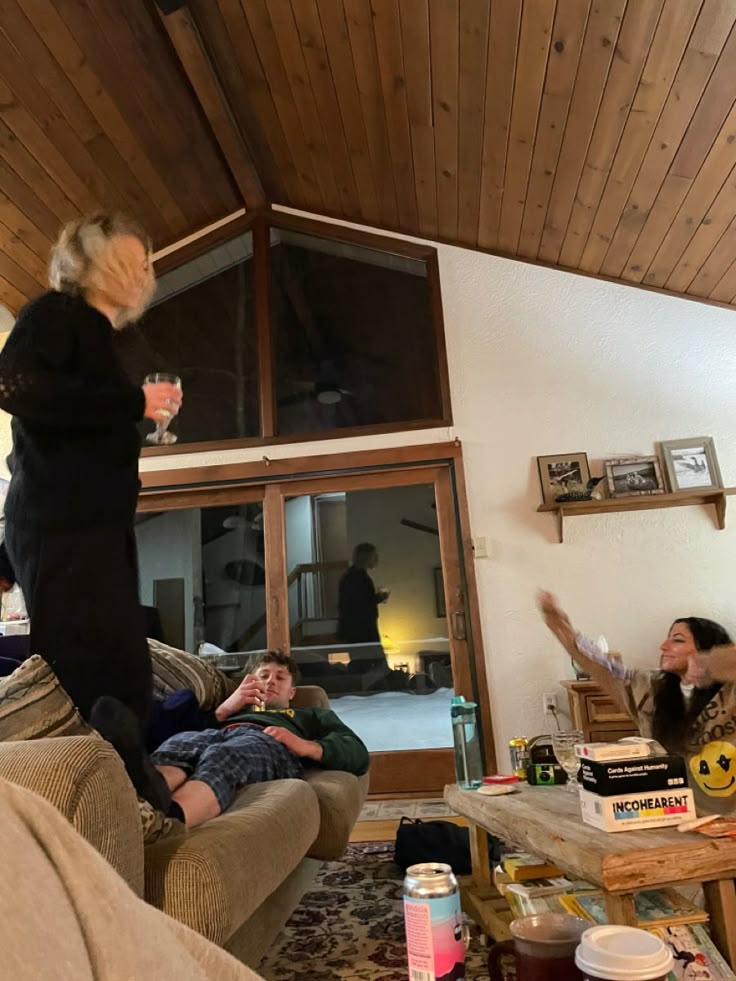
(357, 604)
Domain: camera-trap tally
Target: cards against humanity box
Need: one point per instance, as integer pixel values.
(631, 812)
(612, 777)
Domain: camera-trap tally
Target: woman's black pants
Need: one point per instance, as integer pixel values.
(81, 591)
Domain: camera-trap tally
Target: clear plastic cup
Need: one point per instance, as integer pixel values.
(621, 953)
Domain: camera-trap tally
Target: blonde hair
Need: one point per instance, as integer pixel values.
(82, 258)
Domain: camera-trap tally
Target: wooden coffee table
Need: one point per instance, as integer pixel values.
(546, 821)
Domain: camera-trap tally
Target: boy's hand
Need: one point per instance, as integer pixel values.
(304, 748)
(251, 691)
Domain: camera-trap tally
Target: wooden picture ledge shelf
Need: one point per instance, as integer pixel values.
(645, 502)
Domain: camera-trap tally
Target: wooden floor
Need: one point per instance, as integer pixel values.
(386, 830)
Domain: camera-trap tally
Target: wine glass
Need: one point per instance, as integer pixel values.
(161, 435)
(563, 746)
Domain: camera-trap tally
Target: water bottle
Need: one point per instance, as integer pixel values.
(468, 762)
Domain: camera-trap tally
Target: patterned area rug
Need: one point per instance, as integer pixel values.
(350, 927)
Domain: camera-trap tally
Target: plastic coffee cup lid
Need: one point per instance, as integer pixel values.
(620, 953)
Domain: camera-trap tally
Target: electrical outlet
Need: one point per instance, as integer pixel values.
(549, 702)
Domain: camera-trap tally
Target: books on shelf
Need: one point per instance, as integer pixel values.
(521, 905)
(522, 866)
(654, 907)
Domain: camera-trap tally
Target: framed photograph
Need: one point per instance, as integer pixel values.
(439, 592)
(562, 473)
(691, 463)
(634, 476)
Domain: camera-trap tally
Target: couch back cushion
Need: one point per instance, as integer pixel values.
(33, 705)
(174, 670)
(310, 696)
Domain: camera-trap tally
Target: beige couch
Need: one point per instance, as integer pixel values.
(235, 879)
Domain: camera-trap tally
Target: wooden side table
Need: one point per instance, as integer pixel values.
(598, 716)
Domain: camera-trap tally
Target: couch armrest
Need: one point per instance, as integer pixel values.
(341, 797)
(84, 778)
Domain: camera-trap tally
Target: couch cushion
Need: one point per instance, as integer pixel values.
(34, 705)
(174, 670)
(84, 778)
(341, 797)
(214, 877)
(310, 696)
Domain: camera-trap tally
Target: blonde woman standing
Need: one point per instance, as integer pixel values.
(72, 498)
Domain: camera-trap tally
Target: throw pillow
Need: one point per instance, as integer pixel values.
(174, 670)
(33, 705)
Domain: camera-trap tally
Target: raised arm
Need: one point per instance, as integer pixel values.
(559, 623)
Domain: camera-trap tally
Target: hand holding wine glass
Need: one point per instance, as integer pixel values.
(163, 401)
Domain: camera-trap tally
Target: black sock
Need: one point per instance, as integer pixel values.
(175, 811)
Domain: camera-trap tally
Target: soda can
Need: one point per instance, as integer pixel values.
(519, 753)
(435, 937)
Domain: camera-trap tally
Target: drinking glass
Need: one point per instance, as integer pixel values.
(563, 746)
(161, 435)
(543, 947)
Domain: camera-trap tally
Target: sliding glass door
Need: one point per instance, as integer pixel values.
(376, 614)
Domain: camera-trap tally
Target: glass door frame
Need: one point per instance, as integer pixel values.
(415, 772)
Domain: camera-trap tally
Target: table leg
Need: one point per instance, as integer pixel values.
(720, 901)
(620, 909)
(479, 856)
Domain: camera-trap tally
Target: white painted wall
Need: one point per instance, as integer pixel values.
(543, 361)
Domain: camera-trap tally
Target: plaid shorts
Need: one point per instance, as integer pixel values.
(227, 759)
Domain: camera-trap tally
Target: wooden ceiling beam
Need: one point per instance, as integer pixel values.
(194, 57)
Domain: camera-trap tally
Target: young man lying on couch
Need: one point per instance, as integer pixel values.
(259, 738)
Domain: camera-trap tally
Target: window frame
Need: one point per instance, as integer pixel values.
(259, 223)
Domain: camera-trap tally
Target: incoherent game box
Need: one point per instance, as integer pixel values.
(631, 812)
(609, 778)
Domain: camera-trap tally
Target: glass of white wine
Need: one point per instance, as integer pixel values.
(563, 746)
(161, 435)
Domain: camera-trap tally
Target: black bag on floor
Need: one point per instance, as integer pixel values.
(432, 841)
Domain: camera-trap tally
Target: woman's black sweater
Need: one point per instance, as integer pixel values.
(75, 441)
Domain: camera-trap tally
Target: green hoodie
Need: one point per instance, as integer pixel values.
(341, 748)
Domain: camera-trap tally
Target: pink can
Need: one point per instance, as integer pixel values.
(435, 937)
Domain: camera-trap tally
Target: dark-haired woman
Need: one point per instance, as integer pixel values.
(688, 705)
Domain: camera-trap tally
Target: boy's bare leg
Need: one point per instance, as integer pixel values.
(197, 801)
(173, 776)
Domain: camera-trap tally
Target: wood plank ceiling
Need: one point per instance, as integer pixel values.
(594, 135)
(597, 135)
(96, 112)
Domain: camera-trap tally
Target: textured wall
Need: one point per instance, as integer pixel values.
(546, 362)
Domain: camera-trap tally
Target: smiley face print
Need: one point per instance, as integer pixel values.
(714, 769)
